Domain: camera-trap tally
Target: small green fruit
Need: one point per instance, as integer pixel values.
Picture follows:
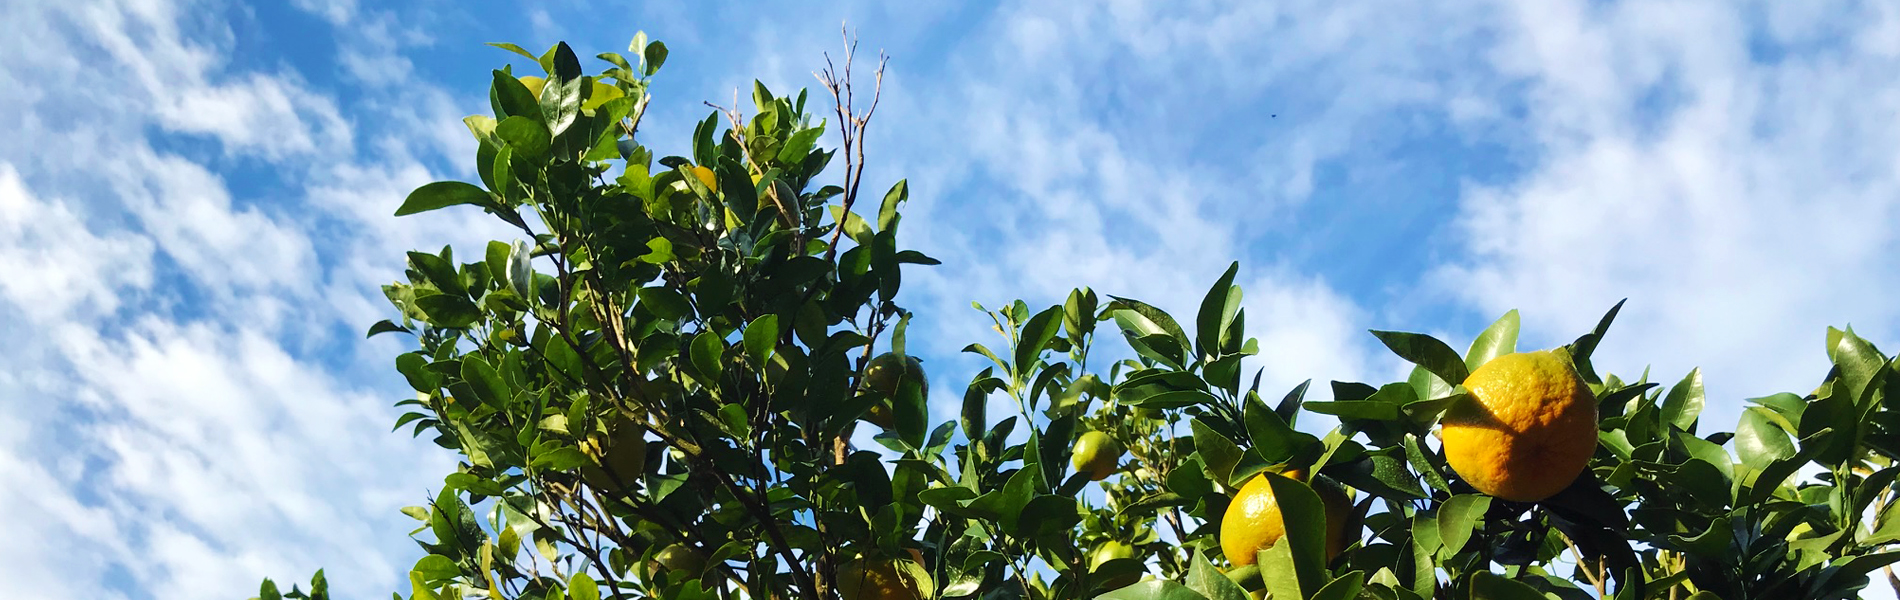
(1096, 454)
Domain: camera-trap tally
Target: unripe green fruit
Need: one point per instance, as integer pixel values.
(1096, 454)
(625, 454)
(889, 371)
(679, 558)
(1114, 550)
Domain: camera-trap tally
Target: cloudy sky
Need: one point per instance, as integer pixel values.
(195, 202)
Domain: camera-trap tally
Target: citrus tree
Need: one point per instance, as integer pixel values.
(653, 388)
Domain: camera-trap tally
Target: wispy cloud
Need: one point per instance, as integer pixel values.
(193, 241)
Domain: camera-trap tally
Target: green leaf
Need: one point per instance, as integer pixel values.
(561, 97)
(911, 410)
(1489, 586)
(1152, 589)
(1207, 580)
(442, 194)
(1345, 587)
(1859, 361)
(448, 311)
(1426, 351)
(385, 326)
(582, 587)
(1305, 519)
(1497, 340)
(1175, 399)
(1713, 541)
(520, 271)
(1758, 441)
(665, 303)
(436, 568)
(485, 381)
(1220, 453)
(528, 137)
(1684, 403)
(1457, 517)
(761, 338)
(515, 49)
(512, 98)
(1416, 453)
(438, 271)
(800, 144)
(1586, 344)
(1374, 411)
(1886, 529)
(654, 55)
(707, 350)
(1275, 441)
(1217, 312)
(1035, 338)
(887, 211)
(414, 366)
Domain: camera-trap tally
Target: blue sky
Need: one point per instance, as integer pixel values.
(194, 213)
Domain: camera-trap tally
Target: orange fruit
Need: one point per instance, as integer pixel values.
(1253, 520)
(1527, 430)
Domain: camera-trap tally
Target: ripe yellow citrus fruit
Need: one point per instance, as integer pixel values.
(624, 453)
(705, 176)
(1528, 429)
(1112, 550)
(1096, 454)
(882, 580)
(1253, 520)
(680, 558)
(534, 84)
(890, 370)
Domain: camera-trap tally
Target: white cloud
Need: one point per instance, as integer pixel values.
(179, 79)
(1742, 206)
(55, 266)
(338, 12)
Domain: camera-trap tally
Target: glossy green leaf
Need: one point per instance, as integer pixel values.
(1035, 338)
(1427, 352)
(708, 350)
(1684, 402)
(1153, 589)
(761, 338)
(1758, 441)
(582, 587)
(1345, 587)
(485, 381)
(1456, 518)
(1497, 340)
(1218, 308)
(1207, 580)
(441, 194)
(665, 303)
(887, 210)
(1271, 436)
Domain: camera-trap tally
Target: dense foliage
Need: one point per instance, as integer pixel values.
(653, 388)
